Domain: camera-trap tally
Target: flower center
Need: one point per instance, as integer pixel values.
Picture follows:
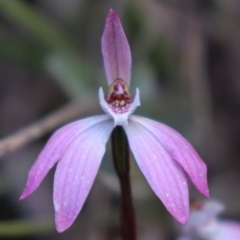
(119, 96)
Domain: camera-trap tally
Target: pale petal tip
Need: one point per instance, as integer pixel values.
(183, 219)
(112, 16)
(112, 13)
(22, 196)
(61, 223)
(61, 228)
(202, 185)
(206, 193)
(136, 101)
(203, 189)
(26, 192)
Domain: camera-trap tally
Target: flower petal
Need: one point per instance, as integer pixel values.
(120, 119)
(76, 172)
(54, 150)
(164, 175)
(116, 50)
(180, 150)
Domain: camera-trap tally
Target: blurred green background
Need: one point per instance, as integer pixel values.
(186, 62)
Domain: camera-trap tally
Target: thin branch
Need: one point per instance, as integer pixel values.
(30, 133)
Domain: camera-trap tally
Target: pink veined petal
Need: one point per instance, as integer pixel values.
(54, 150)
(116, 50)
(180, 150)
(76, 172)
(164, 175)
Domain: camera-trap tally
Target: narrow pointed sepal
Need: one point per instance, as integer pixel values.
(76, 172)
(54, 150)
(180, 150)
(116, 50)
(164, 175)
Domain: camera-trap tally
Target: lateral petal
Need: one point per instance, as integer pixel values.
(116, 50)
(180, 150)
(164, 175)
(76, 172)
(54, 150)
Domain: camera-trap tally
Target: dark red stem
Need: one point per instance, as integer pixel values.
(121, 160)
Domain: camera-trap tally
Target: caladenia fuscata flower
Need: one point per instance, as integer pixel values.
(162, 154)
(205, 223)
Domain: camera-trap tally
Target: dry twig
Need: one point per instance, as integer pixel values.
(36, 130)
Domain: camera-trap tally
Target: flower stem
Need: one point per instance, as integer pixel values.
(120, 151)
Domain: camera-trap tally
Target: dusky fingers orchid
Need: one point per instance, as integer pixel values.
(162, 154)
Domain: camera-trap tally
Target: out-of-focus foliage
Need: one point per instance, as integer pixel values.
(186, 62)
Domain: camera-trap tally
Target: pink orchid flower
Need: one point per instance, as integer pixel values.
(162, 154)
(204, 223)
